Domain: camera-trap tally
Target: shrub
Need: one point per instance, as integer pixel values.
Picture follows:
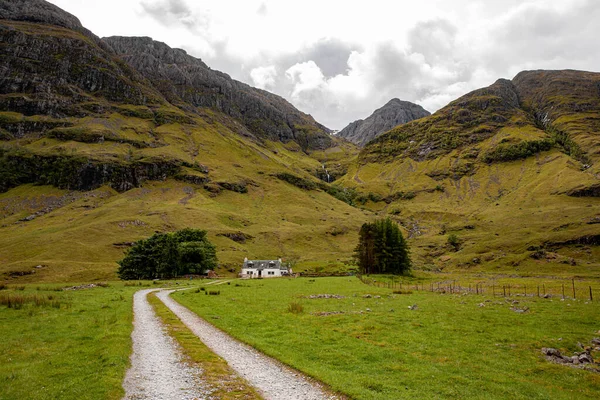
(454, 241)
(510, 152)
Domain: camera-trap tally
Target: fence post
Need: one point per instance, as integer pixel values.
(538, 290)
(544, 287)
(563, 290)
(591, 297)
(525, 290)
(573, 282)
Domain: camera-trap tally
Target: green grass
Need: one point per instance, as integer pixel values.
(74, 346)
(377, 348)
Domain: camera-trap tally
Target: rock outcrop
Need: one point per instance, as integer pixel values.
(188, 82)
(395, 112)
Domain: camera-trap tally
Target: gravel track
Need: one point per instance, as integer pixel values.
(271, 378)
(157, 370)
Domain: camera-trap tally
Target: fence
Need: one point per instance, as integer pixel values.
(565, 290)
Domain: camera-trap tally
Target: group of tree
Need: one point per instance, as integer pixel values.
(168, 255)
(382, 249)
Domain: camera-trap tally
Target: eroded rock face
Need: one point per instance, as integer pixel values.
(50, 65)
(188, 82)
(395, 112)
(39, 11)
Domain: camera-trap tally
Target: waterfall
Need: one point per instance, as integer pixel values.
(326, 173)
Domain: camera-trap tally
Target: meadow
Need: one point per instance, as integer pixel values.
(60, 344)
(370, 343)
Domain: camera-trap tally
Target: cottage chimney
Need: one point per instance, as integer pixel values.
(245, 259)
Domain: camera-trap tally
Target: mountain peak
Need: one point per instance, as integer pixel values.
(38, 11)
(395, 112)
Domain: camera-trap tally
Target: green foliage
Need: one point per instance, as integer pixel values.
(517, 151)
(454, 241)
(296, 181)
(166, 255)
(382, 249)
(568, 144)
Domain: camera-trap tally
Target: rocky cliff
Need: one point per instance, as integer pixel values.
(395, 112)
(188, 82)
(52, 66)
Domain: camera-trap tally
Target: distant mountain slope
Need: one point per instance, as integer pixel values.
(395, 112)
(563, 104)
(511, 169)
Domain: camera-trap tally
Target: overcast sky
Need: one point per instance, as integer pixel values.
(340, 60)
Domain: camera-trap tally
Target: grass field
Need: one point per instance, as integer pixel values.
(450, 346)
(64, 344)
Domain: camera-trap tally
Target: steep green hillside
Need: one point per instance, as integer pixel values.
(510, 169)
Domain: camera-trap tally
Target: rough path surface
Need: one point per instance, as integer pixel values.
(157, 370)
(272, 379)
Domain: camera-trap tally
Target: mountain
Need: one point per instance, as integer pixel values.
(395, 112)
(104, 142)
(188, 82)
(512, 169)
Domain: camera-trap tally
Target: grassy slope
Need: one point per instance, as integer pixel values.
(75, 240)
(509, 206)
(379, 349)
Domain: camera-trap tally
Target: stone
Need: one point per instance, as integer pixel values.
(585, 358)
(549, 351)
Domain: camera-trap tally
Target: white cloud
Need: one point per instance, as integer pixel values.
(264, 77)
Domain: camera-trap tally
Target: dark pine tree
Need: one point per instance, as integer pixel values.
(382, 249)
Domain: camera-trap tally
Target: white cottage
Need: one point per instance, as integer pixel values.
(264, 269)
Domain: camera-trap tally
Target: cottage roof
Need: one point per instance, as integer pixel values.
(264, 264)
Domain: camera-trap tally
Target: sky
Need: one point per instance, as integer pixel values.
(340, 60)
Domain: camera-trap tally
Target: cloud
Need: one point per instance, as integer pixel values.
(168, 12)
(263, 11)
(429, 54)
(264, 77)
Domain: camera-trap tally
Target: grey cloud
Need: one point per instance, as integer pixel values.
(168, 11)
(330, 54)
(543, 38)
(262, 10)
(433, 39)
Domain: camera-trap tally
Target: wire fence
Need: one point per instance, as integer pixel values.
(564, 290)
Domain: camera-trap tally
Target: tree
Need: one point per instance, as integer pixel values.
(382, 249)
(166, 255)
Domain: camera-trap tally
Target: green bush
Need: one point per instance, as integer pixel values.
(167, 255)
(517, 151)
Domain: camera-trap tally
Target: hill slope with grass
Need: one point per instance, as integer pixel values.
(510, 170)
